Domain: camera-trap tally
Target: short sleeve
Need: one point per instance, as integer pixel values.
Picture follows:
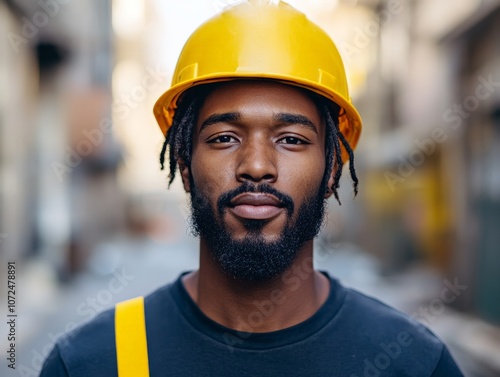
(446, 366)
(54, 365)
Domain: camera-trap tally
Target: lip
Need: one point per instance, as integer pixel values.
(256, 206)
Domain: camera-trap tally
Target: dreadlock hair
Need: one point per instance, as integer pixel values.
(179, 138)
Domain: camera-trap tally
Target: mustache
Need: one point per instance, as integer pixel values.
(225, 199)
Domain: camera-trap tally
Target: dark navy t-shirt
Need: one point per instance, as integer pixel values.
(351, 335)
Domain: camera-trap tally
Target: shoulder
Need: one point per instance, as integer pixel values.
(386, 337)
(90, 348)
(87, 350)
(380, 319)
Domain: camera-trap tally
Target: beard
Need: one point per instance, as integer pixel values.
(253, 258)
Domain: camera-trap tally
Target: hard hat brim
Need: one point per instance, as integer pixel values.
(350, 122)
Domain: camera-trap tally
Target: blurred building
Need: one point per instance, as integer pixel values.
(476, 153)
(431, 142)
(18, 93)
(58, 155)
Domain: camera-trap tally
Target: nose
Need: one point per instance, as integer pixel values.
(257, 162)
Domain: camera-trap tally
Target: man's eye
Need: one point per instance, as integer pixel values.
(291, 140)
(222, 139)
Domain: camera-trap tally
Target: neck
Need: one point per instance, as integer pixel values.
(267, 306)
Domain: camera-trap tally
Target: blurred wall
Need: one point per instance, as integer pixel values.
(431, 191)
(58, 154)
(18, 93)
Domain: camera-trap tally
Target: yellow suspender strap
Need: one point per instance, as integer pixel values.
(130, 336)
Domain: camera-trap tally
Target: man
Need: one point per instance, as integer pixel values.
(258, 121)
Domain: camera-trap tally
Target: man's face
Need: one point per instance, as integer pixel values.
(258, 161)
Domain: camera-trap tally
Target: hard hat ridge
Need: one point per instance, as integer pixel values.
(263, 2)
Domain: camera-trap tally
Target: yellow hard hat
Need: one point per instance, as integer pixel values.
(268, 41)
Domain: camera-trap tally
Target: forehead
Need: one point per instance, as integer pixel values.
(259, 98)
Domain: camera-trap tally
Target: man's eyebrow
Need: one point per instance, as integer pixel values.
(220, 118)
(289, 119)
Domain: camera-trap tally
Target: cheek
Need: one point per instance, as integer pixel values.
(209, 178)
(304, 176)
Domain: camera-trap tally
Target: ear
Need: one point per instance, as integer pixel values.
(184, 170)
(329, 191)
(331, 179)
